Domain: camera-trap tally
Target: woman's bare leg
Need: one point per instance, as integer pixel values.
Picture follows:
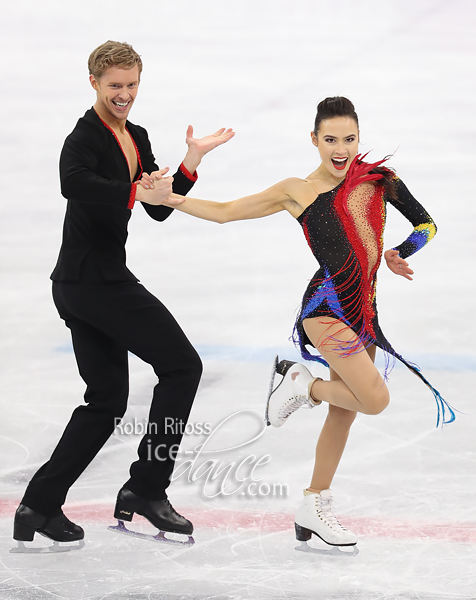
(332, 440)
(360, 386)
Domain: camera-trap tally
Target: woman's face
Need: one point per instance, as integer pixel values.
(338, 142)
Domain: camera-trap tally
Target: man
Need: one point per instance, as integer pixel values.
(109, 312)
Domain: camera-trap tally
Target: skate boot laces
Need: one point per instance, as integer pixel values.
(324, 512)
(292, 405)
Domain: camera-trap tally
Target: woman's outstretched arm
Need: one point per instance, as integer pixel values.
(274, 199)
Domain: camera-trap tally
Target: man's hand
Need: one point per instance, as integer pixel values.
(159, 189)
(154, 189)
(197, 148)
(209, 142)
(398, 265)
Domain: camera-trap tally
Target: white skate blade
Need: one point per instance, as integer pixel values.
(22, 549)
(160, 537)
(270, 391)
(330, 551)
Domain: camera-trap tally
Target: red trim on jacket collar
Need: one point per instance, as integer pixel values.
(132, 195)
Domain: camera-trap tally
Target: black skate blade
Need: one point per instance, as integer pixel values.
(22, 549)
(270, 391)
(330, 551)
(160, 537)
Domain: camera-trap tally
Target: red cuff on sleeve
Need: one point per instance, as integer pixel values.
(132, 196)
(187, 174)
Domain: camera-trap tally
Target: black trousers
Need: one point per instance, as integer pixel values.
(107, 320)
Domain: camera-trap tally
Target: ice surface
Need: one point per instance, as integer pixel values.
(404, 487)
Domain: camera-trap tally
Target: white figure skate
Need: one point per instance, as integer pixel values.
(292, 392)
(315, 516)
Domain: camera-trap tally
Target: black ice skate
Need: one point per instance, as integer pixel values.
(160, 513)
(59, 529)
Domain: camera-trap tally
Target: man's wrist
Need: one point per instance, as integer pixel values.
(192, 160)
(191, 175)
(140, 193)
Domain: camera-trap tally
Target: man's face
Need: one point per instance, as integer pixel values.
(116, 92)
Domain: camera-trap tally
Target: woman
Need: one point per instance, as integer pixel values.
(341, 207)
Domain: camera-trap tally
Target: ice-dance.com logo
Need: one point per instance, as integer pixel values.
(222, 467)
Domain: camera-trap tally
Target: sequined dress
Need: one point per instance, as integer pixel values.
(344, 228)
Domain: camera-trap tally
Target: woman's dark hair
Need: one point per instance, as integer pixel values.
(339, 106)
(336, 106)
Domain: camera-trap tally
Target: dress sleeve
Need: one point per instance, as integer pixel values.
(424, 228)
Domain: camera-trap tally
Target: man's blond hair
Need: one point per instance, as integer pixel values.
(113, 54)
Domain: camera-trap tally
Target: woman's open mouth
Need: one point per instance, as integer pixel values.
(339, 163)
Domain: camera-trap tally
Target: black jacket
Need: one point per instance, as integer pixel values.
(95, 180)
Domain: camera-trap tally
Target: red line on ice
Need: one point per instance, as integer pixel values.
(232, 520)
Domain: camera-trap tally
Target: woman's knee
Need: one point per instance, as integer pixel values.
(377, 401)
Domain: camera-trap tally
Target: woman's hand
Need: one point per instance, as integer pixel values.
(398, 265)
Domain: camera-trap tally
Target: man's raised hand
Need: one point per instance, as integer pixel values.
(203, 145)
